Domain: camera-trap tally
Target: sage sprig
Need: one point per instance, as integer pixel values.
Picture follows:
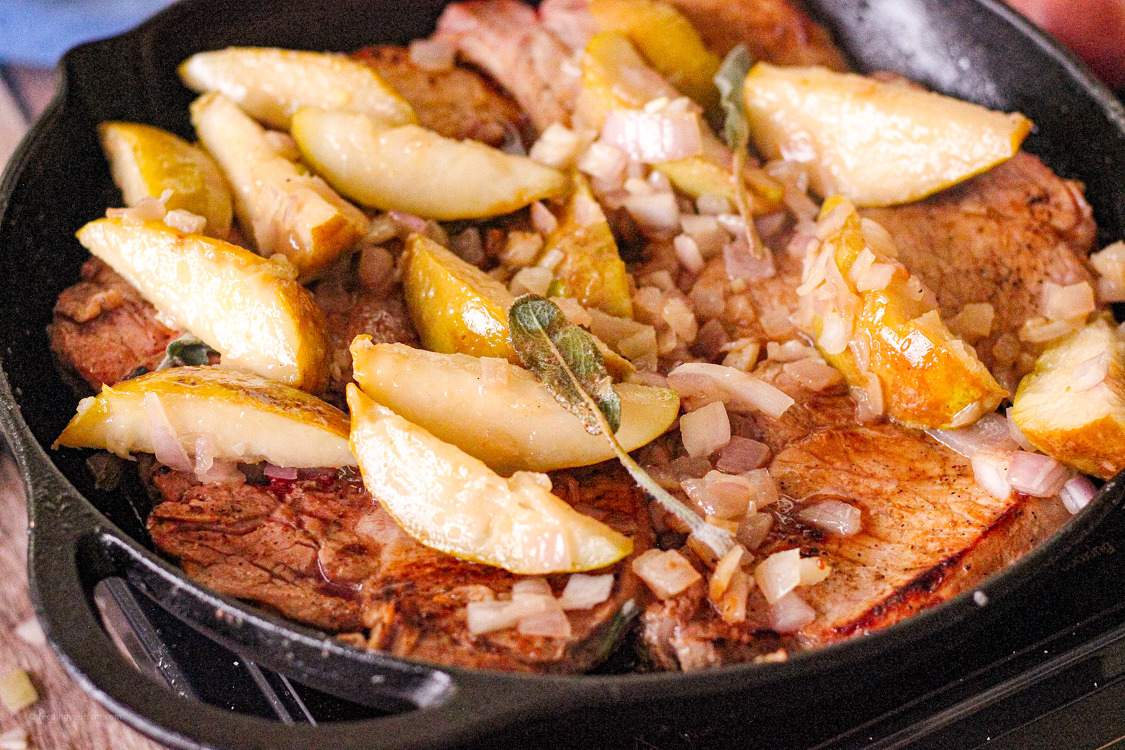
(730, 80)
(566, 359)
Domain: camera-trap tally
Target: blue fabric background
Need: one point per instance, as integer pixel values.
(37, 32)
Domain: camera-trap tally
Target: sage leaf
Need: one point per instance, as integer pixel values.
(730, 80)
(565, 359)
(186, 350)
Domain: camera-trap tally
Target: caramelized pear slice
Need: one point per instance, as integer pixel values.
(456, 307)
(927, 377)
(272, 84)
(877, 144)
(1072, 407)
(412, 169)
(228, 415)
(145, 161)
(498, 412)
(668, 41)
(452, 502)
(249, 309)
(591, 270)
(284, 209)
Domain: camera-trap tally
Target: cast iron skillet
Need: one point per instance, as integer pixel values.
(975, 49)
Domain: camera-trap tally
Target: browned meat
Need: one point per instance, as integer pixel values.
(997, 238)
(776, 31)
(103, 329)
(504, 38)
(458, 103)
(326, 553)
(929, 533)
(380, 315)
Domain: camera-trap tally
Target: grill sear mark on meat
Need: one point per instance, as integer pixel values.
(457, 103)
(929, 533)
(997, 238)
(324, 552)
(104, 330)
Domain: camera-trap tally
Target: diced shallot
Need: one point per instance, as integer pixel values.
(814, 374)
(753, 529)
(790, 613)
(720, 577)
(990, 431)
(835, 516)
(742, 454)
(667, 573)
(742, 263)
(721, 495)
(814, 570)
(488, 616)
(1016, 433)
(1066, 302)
(687, 250)
(655, 214)
(552, 622)
(705, 430)
(990, 469)
(708, 234)
(742, 389)
(408, 222)
(557, 147)
(585, 591)
(1077, 493)
(531, 586)
(542, 219)
(165, 442)
(732, 602)
(288, 473)
(185, 221)
(653, 137)
(779, 574)
(1037, 475)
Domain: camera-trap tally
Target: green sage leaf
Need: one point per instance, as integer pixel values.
(186, 350)
(730, 80)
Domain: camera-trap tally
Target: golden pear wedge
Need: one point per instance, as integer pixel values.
(249, 309)
(452, 502)
(145, 161)
(238, 416)
(284, 209)
(876, 144)
(1072, 407)
(271, 84)
(412, 169)
(511, 422)
(456, 307)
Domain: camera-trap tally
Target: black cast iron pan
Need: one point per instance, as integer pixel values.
(974, 49)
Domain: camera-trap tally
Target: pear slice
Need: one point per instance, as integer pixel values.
(510, 421)
(271, 84)
(1072, 407)
(450, 501)
(146, 161)
(249, 309)
(237, 416)
(285, 210)
(456, 307)
(412, 169)
(591, 270)
(876, 144)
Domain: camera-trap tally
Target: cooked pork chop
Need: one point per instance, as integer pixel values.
(929, 532)
(324, 552)
(457, 103)
(104, 330)
(997, 238)
(381, 315)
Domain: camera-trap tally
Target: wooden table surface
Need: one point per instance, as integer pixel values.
(64, 718)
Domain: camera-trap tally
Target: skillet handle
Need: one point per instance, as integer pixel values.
(73, 547)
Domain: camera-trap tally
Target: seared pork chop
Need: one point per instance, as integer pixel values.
(929, 533)
(322, 551)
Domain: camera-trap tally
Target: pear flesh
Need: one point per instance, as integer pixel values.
(451, 502)
(236, 416)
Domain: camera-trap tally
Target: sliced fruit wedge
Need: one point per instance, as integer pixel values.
(146, 161)
(668, 41)
(498, 412)
(212, 413)
(272, 84)
(284, 209)
(412, 169)
(871, 319)
(456, 307)
(452, 502)
(1072, 407)
(249, 309)
(876, 144)
(591, 270)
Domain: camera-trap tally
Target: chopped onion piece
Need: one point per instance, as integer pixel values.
(656, 214)
(741, 263)
(521, 248)
(705, 430)
(551, 623)
(878, 238)
(29, 631)
(732, 603)
(741, 389)
(667, 573)
(221, 472)
(990, 469)
(1067, 302)
(185, 221)
(779, 574)
(721, 495)
(653, 137)
(790, 613)
(712, 205)
(585, 591)
(408, 222)
(1017, 434)
(1077, 493)
(488, 616)
(147, 209)
(725, 568)
(165, 443)
(742, 454)
(709, 235)
(687, 250)
(753, 529)
(557, 147)
(763, 486)
(990, 431)
(1037, 475)
(531, 279)
(833, 515)
(542, 219)
(280, 472)
(14, 739)
(814, 374)
(814, 570)
(605, 163)
(533, 586)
